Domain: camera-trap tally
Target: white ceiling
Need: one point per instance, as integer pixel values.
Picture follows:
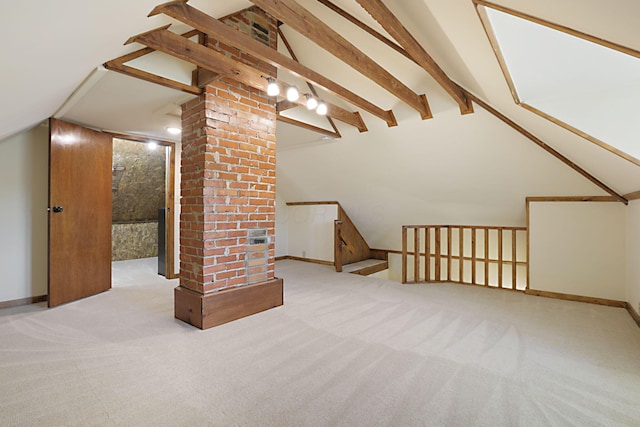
(50, 48)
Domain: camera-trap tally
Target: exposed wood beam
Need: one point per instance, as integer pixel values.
(394, 27)
(152, 78)
(309, 85)
(305, 23)
(547, 148)
(118, 65)
(191, 16)
(170, 43)
(346, 15)
(203, 77)
(632, 196)
(285, 105)
(304, 125)
(400, 50)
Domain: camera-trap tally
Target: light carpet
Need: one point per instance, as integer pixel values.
(344, 350)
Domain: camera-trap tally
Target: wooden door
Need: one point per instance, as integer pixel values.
(80, 162)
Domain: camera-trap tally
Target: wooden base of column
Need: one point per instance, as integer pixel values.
(205, 311)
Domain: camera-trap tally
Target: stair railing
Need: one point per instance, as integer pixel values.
(490, 256)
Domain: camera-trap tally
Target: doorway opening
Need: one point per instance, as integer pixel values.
(143, 175)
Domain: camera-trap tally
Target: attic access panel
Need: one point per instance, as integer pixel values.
(565, 76)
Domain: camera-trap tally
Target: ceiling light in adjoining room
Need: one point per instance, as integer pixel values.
(152, 145)
(322, 109)
(312, 103)
(174, 130)
(292, 94)
(272, 87)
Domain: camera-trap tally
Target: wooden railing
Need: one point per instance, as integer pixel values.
(349, 245)
(473, 255)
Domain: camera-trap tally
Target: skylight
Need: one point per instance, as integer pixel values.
(589, 88)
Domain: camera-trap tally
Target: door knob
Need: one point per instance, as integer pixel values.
(57, 209)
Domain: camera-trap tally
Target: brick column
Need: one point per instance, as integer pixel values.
(227, 219)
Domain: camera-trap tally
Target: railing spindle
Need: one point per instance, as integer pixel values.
(473, 256)
(461, 253)
(404, 254)
(500, 258)
(435, 273)
(514, 265)
(486, 256)
(437, 248)
(427, 254)
(416, 256)
(448, 253)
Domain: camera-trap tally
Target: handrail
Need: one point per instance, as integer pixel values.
(443, 246)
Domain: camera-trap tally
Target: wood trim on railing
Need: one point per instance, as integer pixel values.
(311, 203)
(466, 258)
(492, 227)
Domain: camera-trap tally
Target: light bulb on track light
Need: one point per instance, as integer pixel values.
(312, 103)
(292, 94)
(322, 109)
(272, 87)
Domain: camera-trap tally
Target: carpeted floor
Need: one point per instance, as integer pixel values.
(344, 350)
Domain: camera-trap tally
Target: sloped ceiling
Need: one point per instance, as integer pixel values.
(50, 48)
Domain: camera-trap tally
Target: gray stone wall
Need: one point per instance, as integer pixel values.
(138, 190)
(134, 240)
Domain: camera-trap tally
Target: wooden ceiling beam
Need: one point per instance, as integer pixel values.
(172, 44)
(152, 78)
(214, 28)
(307, 126)
(394, 27)
(285, 105)
(118, 65)
(309, 85)
(346, 15)
(307, 24)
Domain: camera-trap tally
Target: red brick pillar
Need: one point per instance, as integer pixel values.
(227, 221)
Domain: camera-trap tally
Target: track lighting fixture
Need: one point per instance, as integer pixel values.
(272, 86)
(322, 109)
(312, 103)
(292, 94)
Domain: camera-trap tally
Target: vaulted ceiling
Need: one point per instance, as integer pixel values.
(425, 57)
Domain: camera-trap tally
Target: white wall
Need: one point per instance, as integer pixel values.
(633, 254)
(452, 169)
(310, 231)
(23, 218)
(282, 227)
(578, 248)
